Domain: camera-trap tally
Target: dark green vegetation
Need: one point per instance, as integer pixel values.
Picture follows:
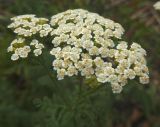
(29, 98)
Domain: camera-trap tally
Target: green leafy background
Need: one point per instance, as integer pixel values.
(29, 98)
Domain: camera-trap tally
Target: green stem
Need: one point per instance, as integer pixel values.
(75, 105)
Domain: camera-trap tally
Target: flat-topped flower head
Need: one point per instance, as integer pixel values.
(84, 25)
(89, 45)
(28, 25)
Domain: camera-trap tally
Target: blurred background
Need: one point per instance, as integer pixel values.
(28, 98)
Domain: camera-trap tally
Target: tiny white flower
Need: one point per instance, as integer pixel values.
(34, 42)
(23, 53)
(122, 45)
(144, 79)
(113, 78)
(98, 62)
(93, 51)
(72, 71)
(116, 88)
(14, 57)
(102, 78)
(37, 52)
(61, 73)
(55, 50)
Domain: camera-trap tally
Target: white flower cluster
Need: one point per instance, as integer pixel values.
(20, 50)
(38, 47)
(86, 43)
(157, 5)
(28, 25)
